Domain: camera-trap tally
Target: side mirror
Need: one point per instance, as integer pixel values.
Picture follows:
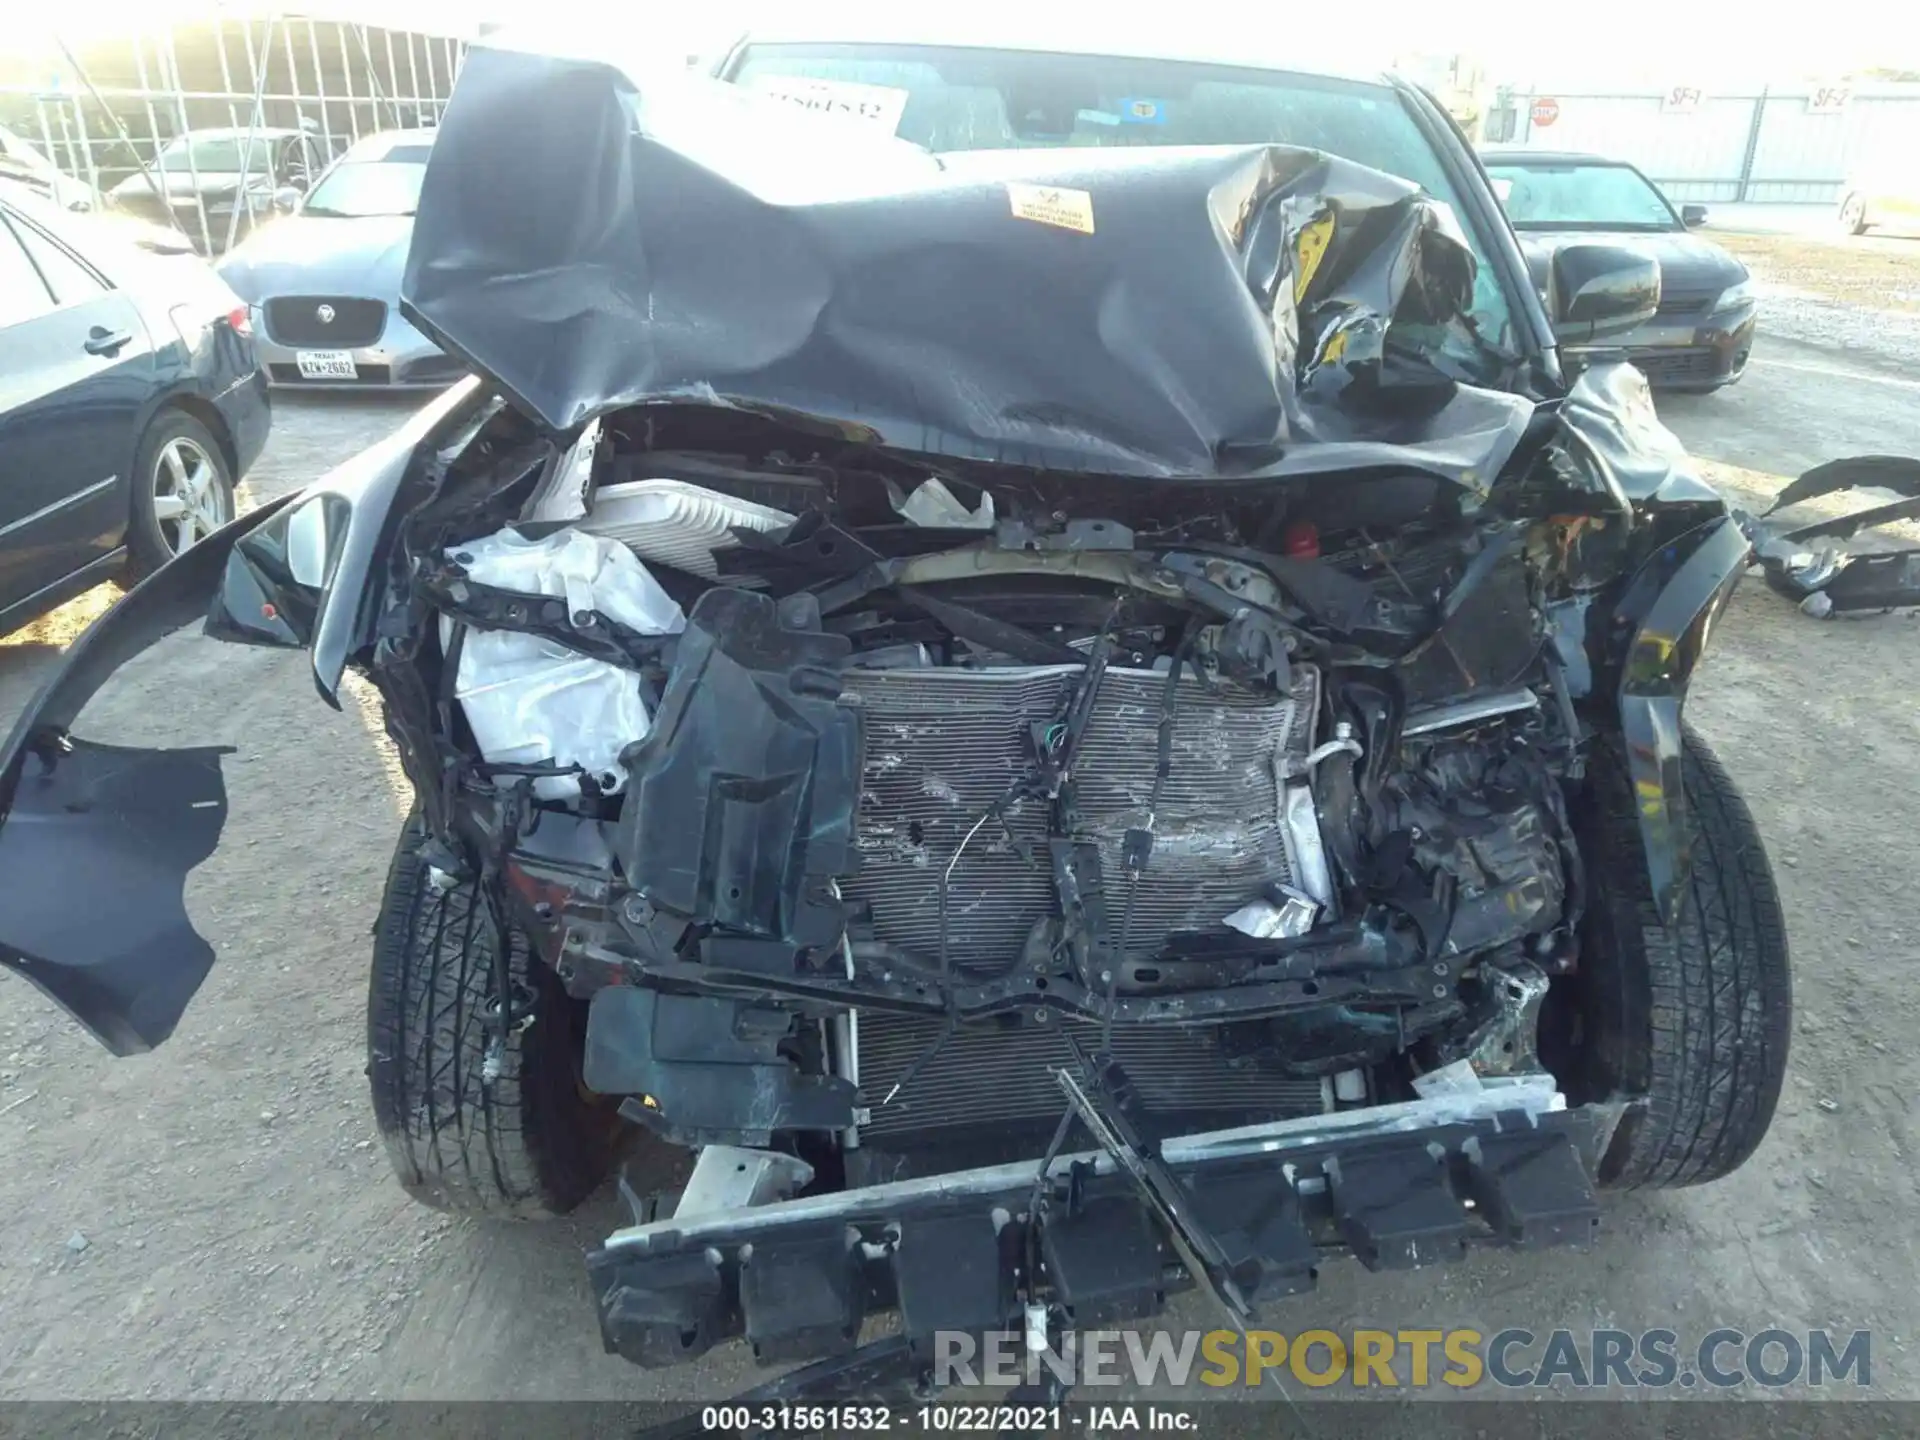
(1597, 292)
(1692, 215)
(286, 199)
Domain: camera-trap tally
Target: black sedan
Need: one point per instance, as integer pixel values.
(1703, 333)
(131, 403)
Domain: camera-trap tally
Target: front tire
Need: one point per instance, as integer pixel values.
(531, 1143)
(182, 491)
(1695, 1019)
(1853, 215)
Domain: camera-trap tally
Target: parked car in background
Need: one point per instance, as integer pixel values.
(1702, 334)
(324, 282)
(1886, 195)
(23, 163)
(218, 172)
(25, 166)
(131, 403)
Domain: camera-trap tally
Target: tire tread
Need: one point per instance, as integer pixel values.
(455, 1142)
(1714, 992)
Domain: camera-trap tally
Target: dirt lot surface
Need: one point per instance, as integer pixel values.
(216, 1220)
(1877, 271)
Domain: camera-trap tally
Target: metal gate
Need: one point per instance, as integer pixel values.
(1777, 146)
(289, 85)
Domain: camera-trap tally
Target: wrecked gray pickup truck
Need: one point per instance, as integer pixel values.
(1053, 723)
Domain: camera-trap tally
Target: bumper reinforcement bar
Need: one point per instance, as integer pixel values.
(1398, 1186)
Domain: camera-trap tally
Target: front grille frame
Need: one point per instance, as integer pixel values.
(294, 320)
(998, 1076)
(1682, 305)
(1678, 363)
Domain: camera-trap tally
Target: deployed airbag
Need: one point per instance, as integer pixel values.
(529, 700)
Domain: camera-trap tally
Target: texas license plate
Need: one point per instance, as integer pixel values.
(325, 364)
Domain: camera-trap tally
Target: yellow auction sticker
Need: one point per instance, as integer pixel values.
(1310, 249)
(1053, 205)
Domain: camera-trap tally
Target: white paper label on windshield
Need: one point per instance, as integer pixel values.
(880, 105)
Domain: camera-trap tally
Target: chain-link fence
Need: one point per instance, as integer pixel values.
(1803, 146)
(208, 128)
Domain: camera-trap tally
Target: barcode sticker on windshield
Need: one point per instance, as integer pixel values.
(879, 105)
(1052, 205)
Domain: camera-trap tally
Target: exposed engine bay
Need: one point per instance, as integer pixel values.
(921, 784)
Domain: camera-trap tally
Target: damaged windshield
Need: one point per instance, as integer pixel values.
(961, 98)
(1600, 197)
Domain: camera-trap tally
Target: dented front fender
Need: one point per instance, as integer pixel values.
(1674, 601)
(297, 572)
(135, 822)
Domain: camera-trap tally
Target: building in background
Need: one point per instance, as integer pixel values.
(1458, 81)
(1790, 142)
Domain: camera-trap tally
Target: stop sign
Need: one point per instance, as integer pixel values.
(1546, 110)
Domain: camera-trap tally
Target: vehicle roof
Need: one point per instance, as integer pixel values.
(10, 139)
(1248, 48)
(1521, 155)
(377, 147)
(15, 191)
(110, 244)
(236, 132)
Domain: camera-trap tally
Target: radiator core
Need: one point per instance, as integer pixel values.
(943, 745)
(999, 1076)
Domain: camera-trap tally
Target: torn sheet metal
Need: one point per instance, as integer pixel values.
(1609, 414)
(1230, 311)
(568, 480)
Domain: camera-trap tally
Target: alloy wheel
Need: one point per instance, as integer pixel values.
(190, 499)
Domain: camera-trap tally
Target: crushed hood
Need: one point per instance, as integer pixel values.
(1203, 313)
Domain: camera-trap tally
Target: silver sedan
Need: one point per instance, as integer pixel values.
(324, 281)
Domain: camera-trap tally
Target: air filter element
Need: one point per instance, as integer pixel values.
(670, 522)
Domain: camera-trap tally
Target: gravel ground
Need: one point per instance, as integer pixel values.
(1856, 294)
(216, 1220)
(1872, 271)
